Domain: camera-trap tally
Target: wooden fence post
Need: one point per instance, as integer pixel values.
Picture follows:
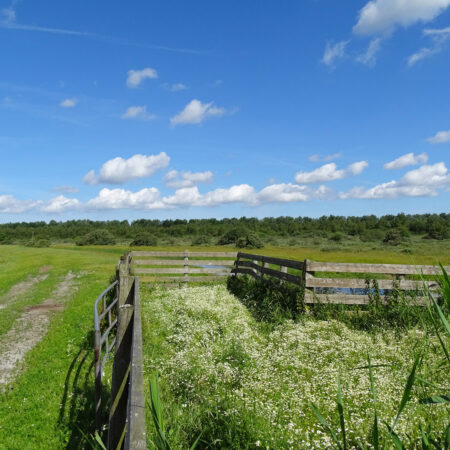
(186, 266)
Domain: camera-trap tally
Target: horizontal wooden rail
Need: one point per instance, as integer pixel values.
(186, 253)
(393, 269)
(180, 262)
(169, 263)
(270, 260)
(139, 271)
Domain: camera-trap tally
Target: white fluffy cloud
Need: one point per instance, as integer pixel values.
(136, 77)
(288, 192)
(329, 172)
(138, 112)
(333, 52)
(406, 160)
(196, 112)
(148, 198)
(422, 182)
(61, 204)
(176, 180)
(119, 170)
(69, 103)
(10, 204)
(380, 16)
(369, 57)
(441, 137)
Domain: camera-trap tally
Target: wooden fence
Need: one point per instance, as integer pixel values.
(326, 282)
(181, 267)
(126, 427)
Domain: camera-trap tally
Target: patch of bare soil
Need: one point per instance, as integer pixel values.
(31, 327)
(23, 286)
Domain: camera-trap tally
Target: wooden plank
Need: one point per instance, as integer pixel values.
(341, 299)
(181, 279)
(135, 437)
(282, 276)
(348, 299)
(180, 262)
(139, 271)
(272, 272)
(138, 254)
(271, 260)
(403, 269)
(361, 284)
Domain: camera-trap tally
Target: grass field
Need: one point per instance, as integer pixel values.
(52, 392)
(51, 395)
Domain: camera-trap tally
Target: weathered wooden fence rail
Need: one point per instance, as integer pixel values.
(309, 274)
(196, 266)
(126, 425)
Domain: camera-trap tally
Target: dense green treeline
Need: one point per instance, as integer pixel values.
(367, 228)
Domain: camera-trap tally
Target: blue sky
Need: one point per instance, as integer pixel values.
(174, 109)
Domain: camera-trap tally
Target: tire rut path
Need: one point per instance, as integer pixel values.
(31, 327)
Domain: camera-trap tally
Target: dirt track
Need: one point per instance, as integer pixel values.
(31, 327)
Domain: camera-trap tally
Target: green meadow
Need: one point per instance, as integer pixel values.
(49, 401)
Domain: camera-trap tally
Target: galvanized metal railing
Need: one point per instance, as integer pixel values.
(102, 340)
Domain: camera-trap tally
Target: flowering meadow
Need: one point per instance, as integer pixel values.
(241, 383)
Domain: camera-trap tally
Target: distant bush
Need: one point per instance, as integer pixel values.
(146, 239)
(241, 238)
(396, 236)
(201, 240)
(231, 236)
(374, 235)
(336, 237)
(249, 241)
(438, 232)
(38, 243)
(97, 237)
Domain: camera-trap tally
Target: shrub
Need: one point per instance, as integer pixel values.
(142, 239)
(241, 238)
(97, 237)
(249, 241)
(372, 235)
(201, 240)
(337, 237)
(38, 243)
(394, 237)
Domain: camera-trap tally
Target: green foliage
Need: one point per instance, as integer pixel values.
(337, 237)
(374, 235)
(268, 299)
(241, 238)
(201, 240)
(97, 237)
(395, 237)
(39, 243)
(144, 239)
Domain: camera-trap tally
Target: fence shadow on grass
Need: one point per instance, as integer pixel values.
(77, 414)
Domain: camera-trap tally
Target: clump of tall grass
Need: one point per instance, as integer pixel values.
(268, 299)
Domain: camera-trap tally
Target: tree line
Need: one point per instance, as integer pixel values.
(249, 231)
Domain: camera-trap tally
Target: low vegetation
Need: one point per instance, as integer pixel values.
(244, 375)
